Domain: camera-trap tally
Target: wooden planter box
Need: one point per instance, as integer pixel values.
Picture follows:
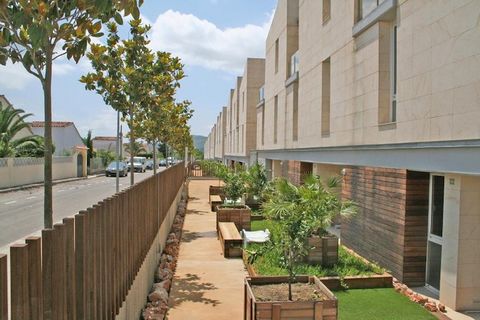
(324, 250)
(288, 310)
(239, 215)
(216, 191)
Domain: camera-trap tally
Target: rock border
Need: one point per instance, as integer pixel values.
(157, 305)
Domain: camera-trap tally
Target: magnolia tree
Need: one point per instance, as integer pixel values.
(34, 33)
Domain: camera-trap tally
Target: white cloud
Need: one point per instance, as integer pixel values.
(200, 42)
(14, 76)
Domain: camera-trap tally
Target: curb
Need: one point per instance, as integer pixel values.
(40, 184)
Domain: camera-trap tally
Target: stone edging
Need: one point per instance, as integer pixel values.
(157, 305)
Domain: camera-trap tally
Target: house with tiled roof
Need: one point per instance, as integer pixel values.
(65, 135)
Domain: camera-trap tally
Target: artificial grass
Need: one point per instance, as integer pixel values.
(373, 304)
(270, 262)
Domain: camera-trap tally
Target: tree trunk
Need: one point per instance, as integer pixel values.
(47, 93)
(154, 157)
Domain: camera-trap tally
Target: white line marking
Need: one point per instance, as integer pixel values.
(61, 190)
(10, 202)
(30, 198)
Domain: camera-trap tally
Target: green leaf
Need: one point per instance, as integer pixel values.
(3, 59)
(118, 18)
(36, 34)
(98, 34)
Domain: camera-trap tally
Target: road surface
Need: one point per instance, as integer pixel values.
(21, 212)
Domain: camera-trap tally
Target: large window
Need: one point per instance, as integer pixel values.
(326, 79)
(263, 124)
(277, 51)
(326, 11)
(393, 74)
(275, 120)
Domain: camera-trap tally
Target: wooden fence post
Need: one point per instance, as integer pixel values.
(80, 264)
(47, 265)
(3, 288)
(59, 275)
(70, 265)
(35, 286)
(19, 281)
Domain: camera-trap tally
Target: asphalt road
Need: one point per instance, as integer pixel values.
(21, 212)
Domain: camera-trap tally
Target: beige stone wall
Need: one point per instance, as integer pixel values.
(220, 134)
(438, 75)
(460, 286)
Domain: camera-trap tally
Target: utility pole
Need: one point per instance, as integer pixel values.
(117, 164)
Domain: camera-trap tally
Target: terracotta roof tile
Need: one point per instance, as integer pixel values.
(105, 138)
(55, 124)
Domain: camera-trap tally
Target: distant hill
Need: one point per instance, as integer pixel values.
(199, 142)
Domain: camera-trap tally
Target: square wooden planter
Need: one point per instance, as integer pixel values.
(239, 215)
(216, 191)
(288, 310)
(324, 250)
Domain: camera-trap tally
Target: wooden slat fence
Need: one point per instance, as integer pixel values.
(199, 169)
(84, 267)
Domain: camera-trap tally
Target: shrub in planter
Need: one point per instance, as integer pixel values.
(304, 214)
(233, 209)
(255, 183)
(265, 299)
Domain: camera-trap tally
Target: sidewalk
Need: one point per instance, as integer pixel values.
(54, 182)
(206, 285)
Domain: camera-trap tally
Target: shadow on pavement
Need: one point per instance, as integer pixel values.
(190, 288)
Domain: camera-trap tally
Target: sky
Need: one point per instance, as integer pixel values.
(212, 37)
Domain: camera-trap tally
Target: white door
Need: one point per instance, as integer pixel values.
(435, 231)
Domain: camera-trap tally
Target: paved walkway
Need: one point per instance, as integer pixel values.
(206, 285)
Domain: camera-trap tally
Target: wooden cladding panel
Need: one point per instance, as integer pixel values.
(416, 227)
(391, 226)
(377, 231)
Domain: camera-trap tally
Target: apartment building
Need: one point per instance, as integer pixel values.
(241, 113)
(220, 135)
(209, 146)
(386, 94)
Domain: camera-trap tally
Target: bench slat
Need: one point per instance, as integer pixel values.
(229, 231)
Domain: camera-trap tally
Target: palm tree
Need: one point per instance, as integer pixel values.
(89, 144)
(12, 121)
(138, 148)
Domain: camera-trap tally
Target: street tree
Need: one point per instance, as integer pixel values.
(121, 75)
(35, 33)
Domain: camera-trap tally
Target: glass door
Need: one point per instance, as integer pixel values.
(435, 231)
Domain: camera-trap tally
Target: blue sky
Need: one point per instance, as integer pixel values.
(213, 38)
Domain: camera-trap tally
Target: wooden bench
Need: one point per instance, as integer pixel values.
(215, 200)
(230, 239)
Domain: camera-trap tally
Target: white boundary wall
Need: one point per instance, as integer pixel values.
(16, 172)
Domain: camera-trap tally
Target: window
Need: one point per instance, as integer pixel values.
(294, 63)
(243, 101)
(438, 194)
(261, 94)
(326, 78)
(364, 7)
(263, 124)
(393, 75)
(275, 120)
(326, 11)
(242, 138)
(276, 55)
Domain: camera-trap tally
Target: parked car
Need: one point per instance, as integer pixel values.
(162, 163)
(149, 164)
(137, 166)
(111, 170)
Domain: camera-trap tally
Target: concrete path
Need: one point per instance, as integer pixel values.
(206, 285)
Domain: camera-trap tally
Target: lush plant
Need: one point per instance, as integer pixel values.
(12, 121)
(301, 211)
(234, 185)
(34, 150)
(135, 149)
(256, 181)
(107, 156)
(268, 259)
(88, 142)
